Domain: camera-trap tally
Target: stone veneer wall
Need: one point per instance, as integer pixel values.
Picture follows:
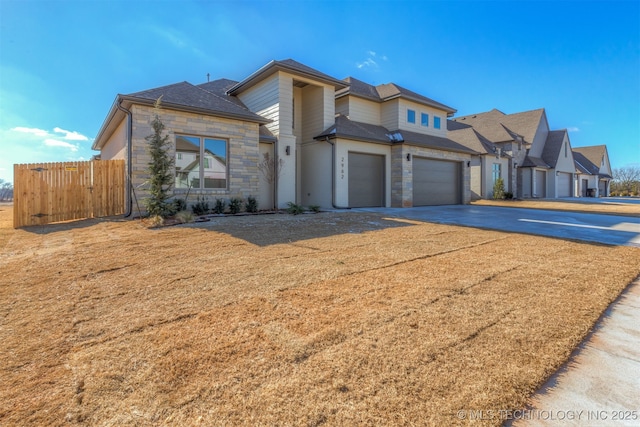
(402, 170)
(242, 155)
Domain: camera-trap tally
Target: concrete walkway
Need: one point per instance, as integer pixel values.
(600, 384)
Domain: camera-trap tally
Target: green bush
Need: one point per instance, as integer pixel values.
(251, 205)
(498, 189)
(219, 207)
(314, 208)
(294, 209)
(179, 205)
(235, 205)
(508, 195)
(201, 207)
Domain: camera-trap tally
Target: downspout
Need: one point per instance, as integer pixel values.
(333, 175)
(276, 170)
(128, 202)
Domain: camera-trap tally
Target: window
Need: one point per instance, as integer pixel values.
(436, 122)
(201, 162)
(496, 172)
(411, 116)
(424, 119)
(566, 149)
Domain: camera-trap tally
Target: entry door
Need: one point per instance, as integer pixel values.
(366, 180)
(541, 184)
(585, 185)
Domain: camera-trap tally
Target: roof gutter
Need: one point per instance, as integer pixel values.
(128, 185)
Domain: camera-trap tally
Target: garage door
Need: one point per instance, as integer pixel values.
(366, 180)
(436, 182)
(541, 184)
(564, 184)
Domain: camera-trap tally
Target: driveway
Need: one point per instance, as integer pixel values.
(607, 229)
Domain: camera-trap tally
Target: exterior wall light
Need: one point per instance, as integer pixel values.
(408, 157)
(288, 150)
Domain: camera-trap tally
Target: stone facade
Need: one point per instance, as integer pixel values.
(242, 156)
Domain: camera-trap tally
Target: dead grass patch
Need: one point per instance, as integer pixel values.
(337, 319)
(612, 208)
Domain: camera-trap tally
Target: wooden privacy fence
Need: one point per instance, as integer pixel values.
(53, 192)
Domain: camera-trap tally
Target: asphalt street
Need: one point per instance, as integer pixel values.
(588, 227)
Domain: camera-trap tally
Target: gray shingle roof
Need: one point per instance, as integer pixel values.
(388, 91)
(187, 96)
(471, 139)
(530, 162)
(552, 147)
(288, 65)
(594, 153)
(497, 126)
(349, 129)
(584, 165)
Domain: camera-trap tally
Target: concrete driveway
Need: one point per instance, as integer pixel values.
(607, 229)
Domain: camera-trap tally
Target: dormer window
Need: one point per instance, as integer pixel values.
(411, 116)
(436, 122)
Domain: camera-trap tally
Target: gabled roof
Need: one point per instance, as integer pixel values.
(181, 96)
(595, 154)
(552, 147)
(186, 96)
(359, 88)
(349, 129)
(498, 127)
(471, 139)
(584, 165)
(387, 92)
(287, 65)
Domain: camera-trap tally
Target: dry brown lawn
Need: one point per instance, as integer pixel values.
(335, 319)
(612, 207)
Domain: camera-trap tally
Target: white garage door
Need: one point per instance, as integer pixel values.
(366, 180)
(564, 184)
(436, 182)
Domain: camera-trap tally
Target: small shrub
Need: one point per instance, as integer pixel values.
(201, 207)
(184, 217)
(219, 207)
(498, 189)
(251, 205)
(156, 221)
(294, 209)
(314, 208)
(235, 205)
(179, 205)
(508, 195)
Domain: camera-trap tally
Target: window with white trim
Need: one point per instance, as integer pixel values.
(201, 162)
(496, 172)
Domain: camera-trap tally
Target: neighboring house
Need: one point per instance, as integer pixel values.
(533, 160)
(593, 171)
(387, 146)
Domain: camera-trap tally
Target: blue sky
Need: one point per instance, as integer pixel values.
(62, 63)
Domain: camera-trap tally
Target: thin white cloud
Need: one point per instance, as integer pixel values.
(71, 135)
(57, 143)
(178, 40)
(573, 129)
(372, 60)
(34, 131)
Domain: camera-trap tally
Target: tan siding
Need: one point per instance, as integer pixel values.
(263, 99)
(115, 147)
(389, 114)
(361, 110)
(342, 106)
(417, 126)
(285, 97)
(312, 112)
